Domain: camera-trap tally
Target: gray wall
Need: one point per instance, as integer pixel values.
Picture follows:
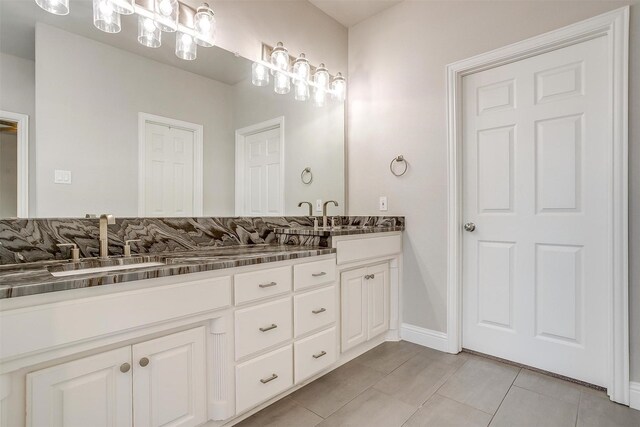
(88, 96)
(314, 137)
(397, 105)
(8, 175)
(17, 95)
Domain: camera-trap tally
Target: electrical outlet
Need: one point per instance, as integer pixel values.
(383, 203)
(319, 205)
(62, 177)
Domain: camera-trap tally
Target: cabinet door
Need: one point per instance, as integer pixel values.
(169, 380)
(378, 295)
(353, 290)
(94, 391)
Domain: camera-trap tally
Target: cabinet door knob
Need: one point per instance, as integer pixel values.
(372, 276)
(124, 368)
(319, 355)
(267, 285)
(318, 311)
(144, 361)
(271, 378)
(268, 328)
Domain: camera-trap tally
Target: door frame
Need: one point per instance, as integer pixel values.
(22, 139)
(198, 133)
(241, 135)
(614, 26)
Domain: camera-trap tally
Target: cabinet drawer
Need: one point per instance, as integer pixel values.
(315, 309)
(314, 354)
(262, 284)
(314, 273)
(263, 377)
(262, 326)
(368, 248)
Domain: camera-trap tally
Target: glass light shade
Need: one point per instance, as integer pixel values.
(302, 68)
(105, 17)
(280, 58)
(259, 74)
(166, 15)
(339, 88)
(321, 77)
(148, 33)
(123, 7)
(57, 7)
(186, 47)
(319, 97)
(281, 84)
(205, 26)
(301, 91)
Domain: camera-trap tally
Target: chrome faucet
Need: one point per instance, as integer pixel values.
(310, 207)
(324, 211)
(105, 219)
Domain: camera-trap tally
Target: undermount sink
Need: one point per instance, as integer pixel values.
(77, 272)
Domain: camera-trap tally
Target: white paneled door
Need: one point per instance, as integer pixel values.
(536, 154)
(169, 171)
(262, 169)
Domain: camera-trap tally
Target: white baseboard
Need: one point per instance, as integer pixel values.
(425, 337)
(634, 395)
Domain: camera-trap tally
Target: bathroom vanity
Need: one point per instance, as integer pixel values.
(209, 336)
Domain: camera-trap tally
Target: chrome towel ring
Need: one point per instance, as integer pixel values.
(399, 159)
(306, 176)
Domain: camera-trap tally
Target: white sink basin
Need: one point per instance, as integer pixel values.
(104, 269)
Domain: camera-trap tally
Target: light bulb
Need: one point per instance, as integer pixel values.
(259, 74)
(301, 68)
(105, 17)
(205, 26)
(165, 7)
(57, 7)
(321, 77)
(339, 88)
(281, 84)
(106, 8)
(280, 58)
(148, 33)
(185, 47)
(166, 15)
(301, 92)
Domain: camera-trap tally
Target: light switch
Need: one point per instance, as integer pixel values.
(62, 177)
(319, 205)
(383, 203)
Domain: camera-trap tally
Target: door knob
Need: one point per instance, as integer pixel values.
(144, 361)
(469, 227)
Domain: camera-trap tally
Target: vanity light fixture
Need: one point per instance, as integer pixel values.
(308, 81)
(105, 17)
(193, 28)
(57, 7)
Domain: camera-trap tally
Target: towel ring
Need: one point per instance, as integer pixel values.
(399, 159)
(306, 171)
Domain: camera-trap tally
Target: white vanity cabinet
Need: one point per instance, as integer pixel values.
(159, 382)
(364, 304)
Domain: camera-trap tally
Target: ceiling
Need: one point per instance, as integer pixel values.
(17, 37)
(351, 12)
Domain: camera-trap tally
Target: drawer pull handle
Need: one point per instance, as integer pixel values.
(271, 378)
(267, 285)
(318, 311)
(268, 328)
(322, 273)
(319, 355)
(369, 276)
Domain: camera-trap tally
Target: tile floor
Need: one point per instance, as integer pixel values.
(403, 384)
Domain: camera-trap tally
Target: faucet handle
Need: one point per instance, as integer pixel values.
(75, 252)
(127, 246)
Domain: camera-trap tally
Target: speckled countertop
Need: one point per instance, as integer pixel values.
(345, 230)
(36, 277)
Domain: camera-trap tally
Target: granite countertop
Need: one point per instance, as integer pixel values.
(36, 277)
(345, 230)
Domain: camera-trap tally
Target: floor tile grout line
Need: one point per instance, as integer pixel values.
(505, 396)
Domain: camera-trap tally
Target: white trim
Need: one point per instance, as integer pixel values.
(22, 137)
(241, 134)
(198, 131)
(634, 395)
(615, 26)
(424, 337)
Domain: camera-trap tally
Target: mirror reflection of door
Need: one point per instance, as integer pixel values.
(13, 165)
(8, 169)
(172, 182)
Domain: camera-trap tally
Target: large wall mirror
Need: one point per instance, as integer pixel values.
(96, 122)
